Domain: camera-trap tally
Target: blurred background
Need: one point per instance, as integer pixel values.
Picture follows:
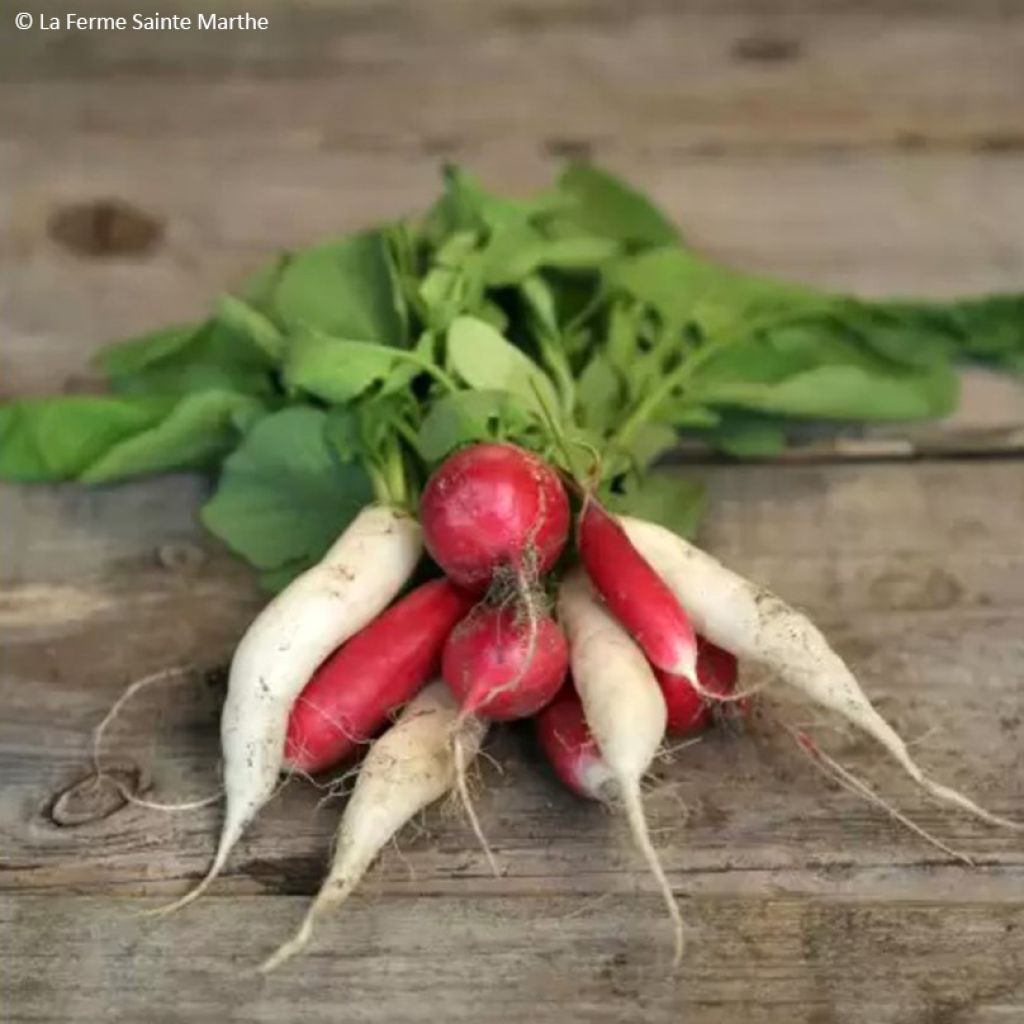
(876, 145)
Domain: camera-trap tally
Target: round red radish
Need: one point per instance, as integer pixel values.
(571, 748)
(634, 593)
(688, 711)
(498, 668)
(353, 693)
(493, 505)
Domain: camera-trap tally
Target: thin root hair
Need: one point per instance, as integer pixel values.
(163, 675)
(834, 770)
(458, 752)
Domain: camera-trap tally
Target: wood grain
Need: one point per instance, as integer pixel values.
(874, 147)
(781, 959)
(650, 76)
(917, 578)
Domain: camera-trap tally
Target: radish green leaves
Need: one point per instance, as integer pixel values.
(576, 323)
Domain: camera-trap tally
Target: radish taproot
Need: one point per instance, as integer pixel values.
(502, 662)
(491, 507)
(634, 592)
(624, 709)
(358, 577)
(502, 668)
(571, 749)
(406, 769)
(688, 710)
(753, 623)
(354, 691)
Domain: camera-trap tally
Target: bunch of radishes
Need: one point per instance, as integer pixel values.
(328, 662)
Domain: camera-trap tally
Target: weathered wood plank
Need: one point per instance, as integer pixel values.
(783, 959)
(651, 76)
(915, 569)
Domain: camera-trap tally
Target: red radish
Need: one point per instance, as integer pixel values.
(491, 506)
(634, 592)
(756, 624)
(571, 748)
(688, 711)
(405, 771)
(355, 690)
(500, 667)
(356, 580)
(624, 709)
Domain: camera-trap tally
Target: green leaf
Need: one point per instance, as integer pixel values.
(663, 497)
(607, 206)
(284, 496)
(749, 436)
(599, 394)
(651, 441)
(623, 340)
(466, 206)
(216, 355)
(125, 358)
(447, 291)
(486, 361)
(684, 288)
(519, 251)
(258, 290)
(252, 325)
(200, 429)
(466, 416)
(345, 288)
(334, 369)
(59, 438)
(844, 392)
(990, 328)
(540, 301)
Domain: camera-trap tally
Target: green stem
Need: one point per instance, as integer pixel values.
(394, 469)
(624, 435)
(555, 429)
(592, 305)
(555, 359)
(404, 355)
(381, 491)
(686, 369)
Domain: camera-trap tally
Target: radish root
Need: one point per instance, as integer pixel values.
(834, 770)
(466, 800)
(751, 622)
(405, 771)
(161, 676)
(529, 603)
(633, 807)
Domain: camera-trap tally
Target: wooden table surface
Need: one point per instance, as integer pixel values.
(874, 146)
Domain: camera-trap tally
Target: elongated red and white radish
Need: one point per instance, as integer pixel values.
(354, 692)
(635, 593)
(357, 578)
(407, 769)
(502, 667)
(688, 710)
(755, 624)
(490, 507)
(570, 747)
(624, 710)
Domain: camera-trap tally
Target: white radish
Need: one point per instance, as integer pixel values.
(624, 709)
(405, 771)
(334, 599)
(754, 623)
